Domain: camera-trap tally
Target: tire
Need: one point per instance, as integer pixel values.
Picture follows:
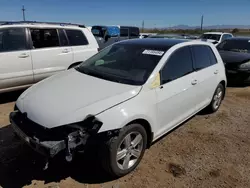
(217, 99)
(117, 168)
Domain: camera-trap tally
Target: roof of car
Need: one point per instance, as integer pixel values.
(157, 42)
(42, 24)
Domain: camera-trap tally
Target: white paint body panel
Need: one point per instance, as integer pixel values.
(48, 61)
(70, 96)
(15, 69)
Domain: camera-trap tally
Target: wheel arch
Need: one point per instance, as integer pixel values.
(147, 126)
(223, 82)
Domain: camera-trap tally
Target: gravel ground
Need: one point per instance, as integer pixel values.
(207, 151)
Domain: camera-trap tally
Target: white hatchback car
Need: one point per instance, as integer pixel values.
(216, 37)
(125, 97)
(32, 51)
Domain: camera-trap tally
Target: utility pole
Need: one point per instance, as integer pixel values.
(201, 22)
(23, 9)
(143, 26)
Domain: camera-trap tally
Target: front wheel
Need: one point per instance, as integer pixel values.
(123, 153)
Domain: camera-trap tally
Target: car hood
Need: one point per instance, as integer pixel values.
(70, 96)
(234, 57)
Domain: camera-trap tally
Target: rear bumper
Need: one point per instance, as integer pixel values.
(46, 148)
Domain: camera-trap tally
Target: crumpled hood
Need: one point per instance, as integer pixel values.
(70, 96)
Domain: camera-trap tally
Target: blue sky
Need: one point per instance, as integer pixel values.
(155, 13)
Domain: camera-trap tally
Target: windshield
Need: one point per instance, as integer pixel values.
(235, 45)
(124, 63)
(211, 36)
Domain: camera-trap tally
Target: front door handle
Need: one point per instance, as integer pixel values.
(216, 72)
(194, 82)
(65, 51)
(23, 55)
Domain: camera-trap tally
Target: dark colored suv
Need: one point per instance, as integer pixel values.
(107, 35)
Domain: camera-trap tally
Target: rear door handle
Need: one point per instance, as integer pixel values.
(216, 72)
(65, 51)
(23, 55)
(194, 82)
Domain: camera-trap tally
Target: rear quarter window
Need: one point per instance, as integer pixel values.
(76, 37)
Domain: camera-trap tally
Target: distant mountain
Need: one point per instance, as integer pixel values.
(211, 27)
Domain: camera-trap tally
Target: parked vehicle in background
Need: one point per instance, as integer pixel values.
(107, 35)
(215, 37)
(129, 32)
(146, 35)
(32, 51)
(235, 53)
(124, 98)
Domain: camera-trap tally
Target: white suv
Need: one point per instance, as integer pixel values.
(123, 98)
(32, 51)
(216, 37)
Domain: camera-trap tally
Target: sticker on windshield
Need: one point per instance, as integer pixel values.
(153, 52)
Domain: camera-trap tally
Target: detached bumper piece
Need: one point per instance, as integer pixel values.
(50, 142)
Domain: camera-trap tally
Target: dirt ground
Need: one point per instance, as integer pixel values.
(207, 151)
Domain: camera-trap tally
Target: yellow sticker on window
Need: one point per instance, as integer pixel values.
(156, 82)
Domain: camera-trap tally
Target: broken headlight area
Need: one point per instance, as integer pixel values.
(49, 142)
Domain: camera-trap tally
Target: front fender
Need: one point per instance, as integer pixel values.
(140, 107)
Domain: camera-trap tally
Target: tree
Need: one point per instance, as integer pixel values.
(235, 30)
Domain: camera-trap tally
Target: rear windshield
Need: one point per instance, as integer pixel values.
(123, 63)
(235, 45)
(211, 36)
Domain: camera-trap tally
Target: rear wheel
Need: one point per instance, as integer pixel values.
(217, 98)
(123, 153)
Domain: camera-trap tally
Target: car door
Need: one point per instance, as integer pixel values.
(49, 54)
(15, 58)
(176, 99)
(206, 67)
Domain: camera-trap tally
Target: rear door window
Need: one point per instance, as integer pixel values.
(213, 59)
(203, 57)
(178, 65)
(44, 38)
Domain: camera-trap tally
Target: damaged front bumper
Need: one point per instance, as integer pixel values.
(50, 142)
